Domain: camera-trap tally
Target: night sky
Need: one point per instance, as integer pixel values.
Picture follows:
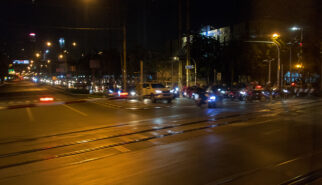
(150, 22)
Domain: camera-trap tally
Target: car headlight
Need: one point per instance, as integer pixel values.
(133, 93)
(158, 91)
(110, 91)
(242, 92)
(212, 98)
(285, 90)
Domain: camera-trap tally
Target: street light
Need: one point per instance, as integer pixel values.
(61, 56)
(37, 55)
(74, 44)
(299, 66)
(275, 35)
(48, 44)
(48, 61)
(278, 57)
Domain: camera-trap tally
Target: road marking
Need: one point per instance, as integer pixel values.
(75, 110)
(122, 149)
(105, 105)
(30, 116)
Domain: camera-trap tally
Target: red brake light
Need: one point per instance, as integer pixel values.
(124, 94)
(47, 99)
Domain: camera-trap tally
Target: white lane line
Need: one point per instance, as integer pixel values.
(75, 110)
(122, 149)
(104, 105)
(29, 113)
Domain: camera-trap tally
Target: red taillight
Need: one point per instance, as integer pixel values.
(124, 94)
(47, 99)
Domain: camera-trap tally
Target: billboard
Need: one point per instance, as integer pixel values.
(26, 62)
(11, 72)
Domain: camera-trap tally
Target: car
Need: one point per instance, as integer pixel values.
(156, 91)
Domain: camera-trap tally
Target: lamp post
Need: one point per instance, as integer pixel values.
(174, 60)
(278, 57)
(195, 71)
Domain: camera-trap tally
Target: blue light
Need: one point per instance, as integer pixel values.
(47, 51)
(62, 42)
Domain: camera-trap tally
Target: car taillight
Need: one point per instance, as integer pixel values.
(124, 94)
(46, 99)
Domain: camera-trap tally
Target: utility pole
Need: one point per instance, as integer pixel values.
(290, 64)
(188, 43)
(141, 77)
(124, 57)
(179, 43)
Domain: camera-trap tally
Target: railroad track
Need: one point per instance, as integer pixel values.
(111, 139)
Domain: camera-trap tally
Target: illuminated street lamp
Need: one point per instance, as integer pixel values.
(61, 56)
(48, 44)
(48, 61)
(275, 35)
(299, 66)
(74, 44)
(37, 55)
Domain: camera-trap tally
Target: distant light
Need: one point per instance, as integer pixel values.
(37, 55)
(48, 61)
(47, 51)
(48, 44)
(32, 34)
(74, 44)
(294, 28)
(61, 42)
(275, 35)
(61, 56)
(47, 99)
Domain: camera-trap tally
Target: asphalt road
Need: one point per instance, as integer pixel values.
(104, 141)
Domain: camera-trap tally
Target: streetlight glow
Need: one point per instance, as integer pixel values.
(48, 44)
(74, 44)
(61, 56)
(299, 66)
(37, 55)
(275, 35)
(295, 28)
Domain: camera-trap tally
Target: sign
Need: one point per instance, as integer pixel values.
(26, 62)
(219, 76)
(189, 67)
(11, 72)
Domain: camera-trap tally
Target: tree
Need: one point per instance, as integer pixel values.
(205, 51)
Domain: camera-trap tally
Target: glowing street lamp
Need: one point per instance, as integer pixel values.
(275, 35)
(48, 44)
(61, 56)
(299, 66)
(74, 44)
(48, 61)
(37, 55)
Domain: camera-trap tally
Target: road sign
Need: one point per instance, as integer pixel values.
(189, 67)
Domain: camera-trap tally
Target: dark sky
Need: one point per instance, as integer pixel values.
(150, 22)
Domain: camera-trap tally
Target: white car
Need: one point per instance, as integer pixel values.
(156, 92)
